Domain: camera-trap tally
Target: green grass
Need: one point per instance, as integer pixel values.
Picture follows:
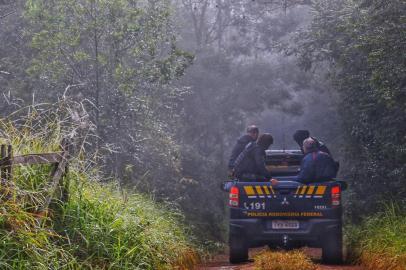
(132, 233)
(100, 226)
(380, 242)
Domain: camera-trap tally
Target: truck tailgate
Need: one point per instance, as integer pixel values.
(288, 199)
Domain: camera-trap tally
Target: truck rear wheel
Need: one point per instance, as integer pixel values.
(238, 249)
(332, 248)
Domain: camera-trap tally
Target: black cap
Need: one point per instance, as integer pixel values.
(300, 135)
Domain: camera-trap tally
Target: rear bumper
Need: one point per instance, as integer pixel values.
(259, 232)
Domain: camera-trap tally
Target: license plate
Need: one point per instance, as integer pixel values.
(285, 224)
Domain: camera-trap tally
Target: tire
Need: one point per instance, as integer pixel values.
(238, 249)
(332, 247)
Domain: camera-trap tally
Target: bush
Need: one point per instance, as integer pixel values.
(380, 242)
(99, 227)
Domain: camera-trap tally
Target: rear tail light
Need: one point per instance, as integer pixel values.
(234, 197)
(336, 196)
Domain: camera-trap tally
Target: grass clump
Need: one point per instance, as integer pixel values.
(380, 242)
(98, 227)
(108, 231)
(270, 260)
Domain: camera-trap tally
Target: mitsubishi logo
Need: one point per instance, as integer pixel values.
(285, 201)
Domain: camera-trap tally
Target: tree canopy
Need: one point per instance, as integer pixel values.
(364, 44)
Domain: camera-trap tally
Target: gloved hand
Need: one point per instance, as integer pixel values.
(231, 173)
(274, 182)
(227, 186)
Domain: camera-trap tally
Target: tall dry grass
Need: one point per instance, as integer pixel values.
(270, 260)
(100, 227)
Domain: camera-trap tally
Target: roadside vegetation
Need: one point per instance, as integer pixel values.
(363, 43)
(100, 226)
(380, 242)
(169, 86)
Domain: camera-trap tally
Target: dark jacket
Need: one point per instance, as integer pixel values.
(238, 148)
(316, 166)
(253, 163)
(323, 147)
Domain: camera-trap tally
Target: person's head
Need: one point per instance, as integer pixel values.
(310, 145)
(265, 140)
(253, 131)
(300, 136)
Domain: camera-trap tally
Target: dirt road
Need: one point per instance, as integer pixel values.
(220, 262)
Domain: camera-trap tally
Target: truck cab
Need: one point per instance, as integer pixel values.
(287, 215)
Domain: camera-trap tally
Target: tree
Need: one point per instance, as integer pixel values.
(121, 56)
(14, 56)
(363, 41)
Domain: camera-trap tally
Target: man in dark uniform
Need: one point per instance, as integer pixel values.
(316, 165)
(242, 142)
(251, 162)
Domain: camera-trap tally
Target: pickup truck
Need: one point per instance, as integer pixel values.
(286, 215)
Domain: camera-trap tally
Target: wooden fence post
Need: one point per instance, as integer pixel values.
(59, 184)
(6, 154)
(3, 158)
(9, 168)
(58, 176)
(64, 181)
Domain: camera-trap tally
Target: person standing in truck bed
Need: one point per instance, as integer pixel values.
(251, 162)
(242, 142)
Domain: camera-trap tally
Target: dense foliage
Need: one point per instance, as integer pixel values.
(380, 242)
(118, 58)
(121, 57)
(364, 43)
(99, 227)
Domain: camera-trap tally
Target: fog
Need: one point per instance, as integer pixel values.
(171, 135)
(171, 85)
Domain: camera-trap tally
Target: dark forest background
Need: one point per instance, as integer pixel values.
(170, 85)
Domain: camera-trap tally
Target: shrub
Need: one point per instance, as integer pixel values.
(380, 242)
(99, 227)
